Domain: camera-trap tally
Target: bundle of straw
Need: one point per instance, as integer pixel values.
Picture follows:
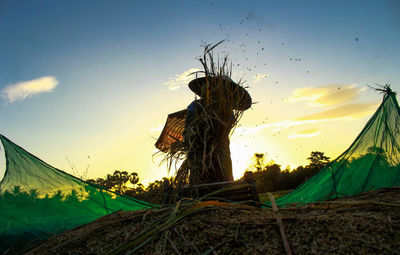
(205, 153)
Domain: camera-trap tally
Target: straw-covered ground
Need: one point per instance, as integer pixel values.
(365, 224)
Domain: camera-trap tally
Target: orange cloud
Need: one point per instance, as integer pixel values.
(349, 111)
(345, 112)
(326, 95)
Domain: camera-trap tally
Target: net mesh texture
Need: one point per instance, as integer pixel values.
(372, 161)
(38, 200)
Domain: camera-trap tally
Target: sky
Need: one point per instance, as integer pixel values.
(87, 85)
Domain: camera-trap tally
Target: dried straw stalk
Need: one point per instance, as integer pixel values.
(200, 153)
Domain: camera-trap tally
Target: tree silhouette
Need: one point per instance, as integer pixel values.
(269, 176)
(33, 193)
(117, 181)
(318, 159)
(259, 163)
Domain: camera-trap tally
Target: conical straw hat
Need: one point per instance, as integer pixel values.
(240, 95)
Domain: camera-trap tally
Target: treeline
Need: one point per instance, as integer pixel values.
(40, 212)
(125, 183)
(268, 175)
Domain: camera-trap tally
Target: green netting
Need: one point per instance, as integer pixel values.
(372, 161)
(38, 200)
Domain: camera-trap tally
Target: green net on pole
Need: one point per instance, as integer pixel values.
(38, 200)
(372, 161)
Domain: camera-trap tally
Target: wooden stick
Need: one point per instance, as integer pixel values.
(173, 246)
(280, 224)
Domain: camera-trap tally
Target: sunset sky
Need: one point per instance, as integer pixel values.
(89, 84)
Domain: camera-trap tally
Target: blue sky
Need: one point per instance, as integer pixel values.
(105, 74)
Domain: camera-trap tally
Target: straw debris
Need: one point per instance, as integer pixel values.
(365, 224)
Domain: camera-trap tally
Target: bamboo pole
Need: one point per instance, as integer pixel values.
(280, 224)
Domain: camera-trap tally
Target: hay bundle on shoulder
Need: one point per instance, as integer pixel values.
(209, 120)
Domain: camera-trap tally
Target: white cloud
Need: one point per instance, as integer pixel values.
(25, 89)
(305, 134)
(181, 79)
(326, 95)
(259, 77)
(159, 128)
(297, 135)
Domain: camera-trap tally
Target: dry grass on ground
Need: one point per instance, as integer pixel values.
(366, 224)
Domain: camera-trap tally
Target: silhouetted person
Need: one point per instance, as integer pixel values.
(208, 124)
